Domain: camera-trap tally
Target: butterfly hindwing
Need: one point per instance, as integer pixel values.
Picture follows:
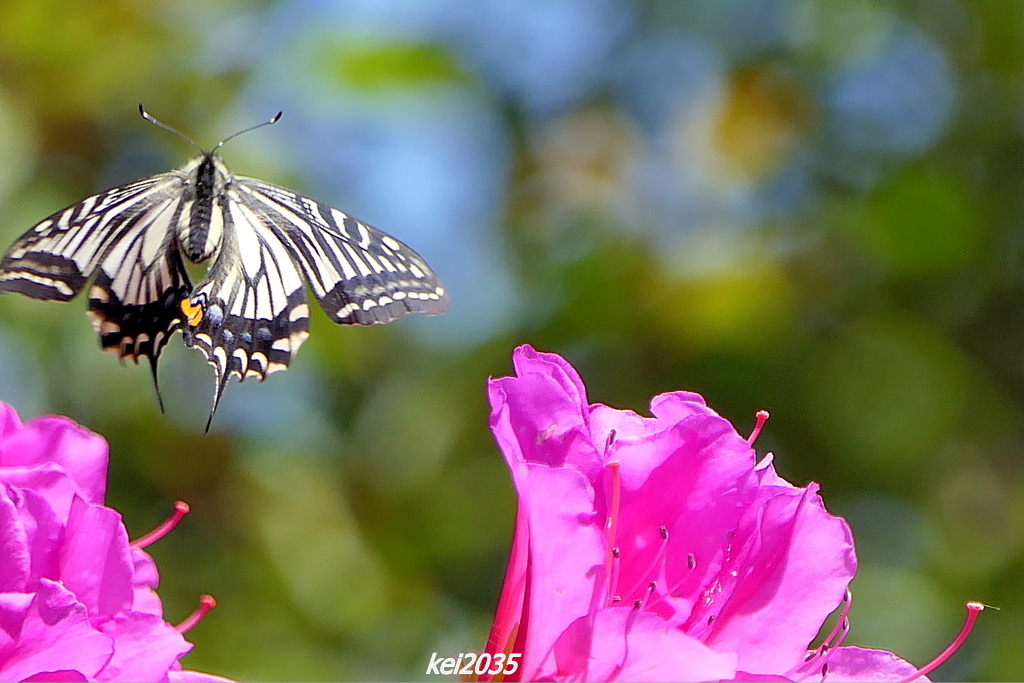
(135, 300)
(250, 315)
(360, 275)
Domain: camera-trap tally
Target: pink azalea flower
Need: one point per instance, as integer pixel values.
(657, 549)
(76, 598)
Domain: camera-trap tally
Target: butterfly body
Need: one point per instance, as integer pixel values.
(263, 244)
(201, 228)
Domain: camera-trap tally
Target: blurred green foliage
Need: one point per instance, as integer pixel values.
(355, 516)
(373, 67)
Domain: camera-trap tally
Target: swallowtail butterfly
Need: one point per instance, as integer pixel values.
(264, 243)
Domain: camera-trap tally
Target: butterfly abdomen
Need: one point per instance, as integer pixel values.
(202, 225)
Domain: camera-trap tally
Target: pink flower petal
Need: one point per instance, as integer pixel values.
(510, 605)
(547, 423)
(95, 560)
(194, 677)
(144, 579)
(48, 480)
(624, 644)
(566, 547)
(793, 562)
(697, 489)
(10, 423)
(15, 558)
(61, 676)
(859, 664)
(55, 636)
(76, 601)
(145, 648)
(13, 610)
(80, 452)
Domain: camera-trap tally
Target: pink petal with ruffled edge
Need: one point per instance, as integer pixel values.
(55, 635)
(15, 558)
(59, 440)
(145, 647)
(9, 422)
(549, 422)
(794, 562)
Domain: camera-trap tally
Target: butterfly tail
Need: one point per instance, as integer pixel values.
(222, 382)
(156, 383)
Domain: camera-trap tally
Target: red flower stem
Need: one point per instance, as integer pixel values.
(180, 510)
(973, 609)
(206, 603)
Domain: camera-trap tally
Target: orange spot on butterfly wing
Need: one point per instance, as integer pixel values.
(193, 312)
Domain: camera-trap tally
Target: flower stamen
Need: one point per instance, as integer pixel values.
(762, 417)
(180, 510)
(613, 577)
(609, 442)
(842, 624)
(973, 609)
(611, 559)
(655, 568)
(821, 654)
(206, 603)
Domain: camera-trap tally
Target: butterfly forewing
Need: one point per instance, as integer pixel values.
(360, 275)
(55, 258)
(125, 237)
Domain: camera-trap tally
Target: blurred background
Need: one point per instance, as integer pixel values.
(807, 206)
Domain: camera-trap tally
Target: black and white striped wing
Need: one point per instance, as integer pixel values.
(360, 275)
(250, 315)
(125, 237)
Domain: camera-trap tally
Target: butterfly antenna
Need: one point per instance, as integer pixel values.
(156, 384)
(146, 115)
(275, 119)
